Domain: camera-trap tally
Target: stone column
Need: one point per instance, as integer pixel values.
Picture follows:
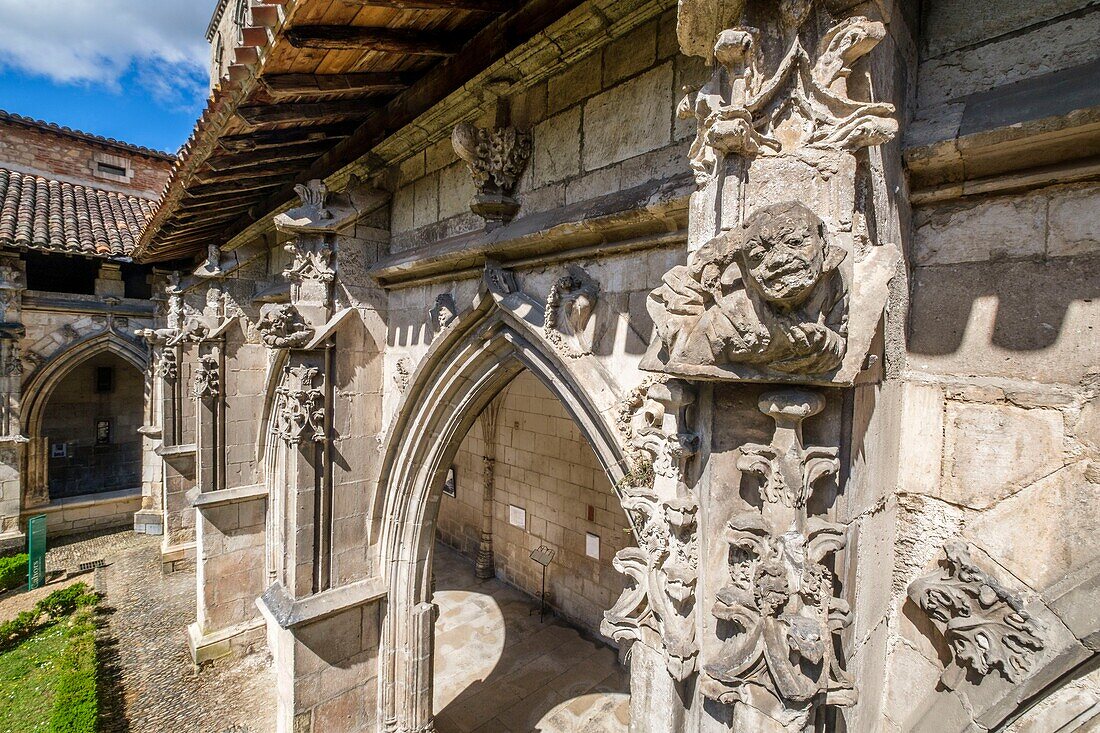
(784, 285)
(484, 567)
(14, 486)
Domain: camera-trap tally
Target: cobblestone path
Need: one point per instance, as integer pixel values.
(161, 691)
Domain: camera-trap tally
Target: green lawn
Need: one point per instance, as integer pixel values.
(48, 666)
(28, 678)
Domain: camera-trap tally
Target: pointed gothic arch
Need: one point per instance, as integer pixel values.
(469, 365)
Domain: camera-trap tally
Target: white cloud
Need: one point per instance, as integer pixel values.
(97, 41)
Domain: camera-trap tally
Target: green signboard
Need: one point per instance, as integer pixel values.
(36, 551)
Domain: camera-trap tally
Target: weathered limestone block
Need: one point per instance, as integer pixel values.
(616, 127)
(1073, 226)
(557, 148)
(993, 451)
(986, 230)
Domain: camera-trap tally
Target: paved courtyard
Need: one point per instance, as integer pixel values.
(159, 689)
(498, 669)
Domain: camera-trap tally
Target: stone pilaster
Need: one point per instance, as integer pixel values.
(14, 448)
(484, 566)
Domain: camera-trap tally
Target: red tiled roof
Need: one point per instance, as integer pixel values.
(55, 216)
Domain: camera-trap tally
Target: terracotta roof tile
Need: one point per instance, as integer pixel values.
(55, 216)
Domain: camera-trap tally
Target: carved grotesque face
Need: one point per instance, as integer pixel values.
(734, 46)
(784, 252)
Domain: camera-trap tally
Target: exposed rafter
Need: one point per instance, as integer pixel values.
(356, 38)
(314, 84)
(486, 6)
(302, 111)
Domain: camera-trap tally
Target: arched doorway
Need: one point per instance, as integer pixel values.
(464, 370)
(525, 480)
(90, 423)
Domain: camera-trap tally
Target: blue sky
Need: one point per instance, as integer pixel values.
(134, 70)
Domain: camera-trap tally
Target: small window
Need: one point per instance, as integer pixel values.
(104, 379)
(102, 432)
(111, 170)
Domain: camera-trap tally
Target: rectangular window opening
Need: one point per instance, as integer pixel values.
(111, 170)
(104, 379)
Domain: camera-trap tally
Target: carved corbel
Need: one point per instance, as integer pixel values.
(984, 623)
(281, 326)
(568, 322)
(301, 415)
(167, 367)
(496, 159)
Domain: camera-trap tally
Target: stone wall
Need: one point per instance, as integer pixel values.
(546, 467)
(79, 514)
(70, 422)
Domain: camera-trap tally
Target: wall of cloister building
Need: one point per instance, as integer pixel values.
(543, 465)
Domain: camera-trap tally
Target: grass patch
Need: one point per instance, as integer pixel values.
(49, 666)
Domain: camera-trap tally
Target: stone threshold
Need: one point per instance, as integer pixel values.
(223, 642)
(281, 609)
(652, 214)
(222, 497)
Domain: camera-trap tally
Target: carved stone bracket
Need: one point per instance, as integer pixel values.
(568, 322)
(281, 326)
(983, 621)
(167, 367)
(207, 377)
(301, 416)
(496, 159)
(445, 311)
(658, 606)
(777, 615)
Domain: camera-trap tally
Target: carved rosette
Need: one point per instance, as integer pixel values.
(301, 414)
(207, 382)
(568, 323)
(983, 621)
(777, 615)
(658, 606)
(496, 158)
(281, 326)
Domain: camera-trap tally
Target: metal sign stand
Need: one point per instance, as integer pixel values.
(542, 555)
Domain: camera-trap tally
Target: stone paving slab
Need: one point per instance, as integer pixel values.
(161, 690)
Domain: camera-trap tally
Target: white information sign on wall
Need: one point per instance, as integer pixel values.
(592, 545)
(517, 516)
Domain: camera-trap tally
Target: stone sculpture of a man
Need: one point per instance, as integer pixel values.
(768, 295)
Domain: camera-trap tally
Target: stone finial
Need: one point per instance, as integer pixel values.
(983, 621)
(568, 322)
(496, 158)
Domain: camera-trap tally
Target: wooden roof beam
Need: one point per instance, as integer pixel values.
(314, 84)
(276, 114)
(300, 151)
(483, 6)
(281, 138)
(360, 38)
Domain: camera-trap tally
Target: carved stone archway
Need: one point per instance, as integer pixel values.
(471, 362)
(40, 387)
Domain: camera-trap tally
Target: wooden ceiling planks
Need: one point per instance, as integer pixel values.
(298, 103)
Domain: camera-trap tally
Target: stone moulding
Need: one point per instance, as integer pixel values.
(984, 623)
(658, 606)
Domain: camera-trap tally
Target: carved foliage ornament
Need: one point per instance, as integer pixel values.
(207, 377)
(778, 613)
(301, 415)
(496, 159)
(803, 106)
(657, 608)
(281, 326)
(167, 367)
(769, 297)
(568, 322)
(983, 621)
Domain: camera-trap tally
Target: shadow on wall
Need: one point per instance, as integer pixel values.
(1027, 302)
